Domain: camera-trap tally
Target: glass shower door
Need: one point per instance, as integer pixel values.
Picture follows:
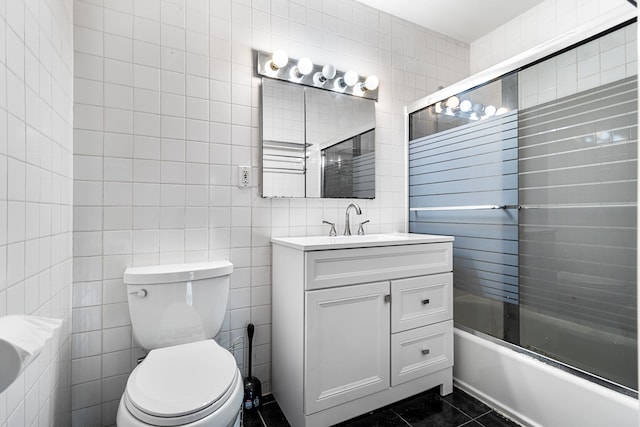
(535, 175)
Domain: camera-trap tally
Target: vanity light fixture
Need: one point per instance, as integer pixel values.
(278, 65)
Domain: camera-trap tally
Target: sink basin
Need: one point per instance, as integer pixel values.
(314, 243)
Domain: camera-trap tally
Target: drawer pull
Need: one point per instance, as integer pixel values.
(425, 301)
(425, 351)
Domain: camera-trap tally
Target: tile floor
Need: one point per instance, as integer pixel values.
(426, 409)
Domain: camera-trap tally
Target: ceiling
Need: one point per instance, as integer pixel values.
(464, 20)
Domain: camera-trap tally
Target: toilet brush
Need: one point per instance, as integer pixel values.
(252, 385)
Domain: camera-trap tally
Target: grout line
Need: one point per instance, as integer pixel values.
(399, 416)
(262, 419)
(460, 410)
(476, 419)
(482, 415)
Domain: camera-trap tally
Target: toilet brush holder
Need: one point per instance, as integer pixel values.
(252, 385)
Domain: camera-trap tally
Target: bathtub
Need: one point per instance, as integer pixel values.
(531, 392)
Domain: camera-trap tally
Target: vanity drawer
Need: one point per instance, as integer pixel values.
(420, 301)
(421, 351)
(340, 267)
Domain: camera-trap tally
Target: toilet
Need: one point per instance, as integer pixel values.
(186, 379)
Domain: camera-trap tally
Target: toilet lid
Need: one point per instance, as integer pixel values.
(181, 380)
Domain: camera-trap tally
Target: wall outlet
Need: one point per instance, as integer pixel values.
(244, 176)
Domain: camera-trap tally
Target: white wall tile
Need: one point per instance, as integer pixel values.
(545, 21)
(113, 387)
(118, 23)
(114, 291)
(86, 394)
(115, 315)
(116, 339)
(85, 369)
(118, 145)
(88, 15)
(86, 344)
(116, 363)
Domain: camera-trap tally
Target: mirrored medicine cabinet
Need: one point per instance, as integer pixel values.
(316, 143)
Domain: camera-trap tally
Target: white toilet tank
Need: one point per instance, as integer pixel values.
(178, 303)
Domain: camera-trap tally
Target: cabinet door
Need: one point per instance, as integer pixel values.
(346, 344)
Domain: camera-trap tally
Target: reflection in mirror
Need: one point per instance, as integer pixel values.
(316, 143)
(283, 140)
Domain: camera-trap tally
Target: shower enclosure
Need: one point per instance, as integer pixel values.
(535, 174)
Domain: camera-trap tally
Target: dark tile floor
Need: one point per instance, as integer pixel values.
(427, 409)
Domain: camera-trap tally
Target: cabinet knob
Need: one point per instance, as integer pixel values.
(425, 351)
(425, 301)
(387, 298)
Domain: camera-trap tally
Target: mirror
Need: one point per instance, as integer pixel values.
(316, 143)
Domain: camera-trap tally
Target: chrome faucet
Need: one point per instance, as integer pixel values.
(347, 228)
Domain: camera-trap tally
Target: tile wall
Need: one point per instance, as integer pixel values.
(36, 182)
(605, 60)
(545, 21)
(166, 108)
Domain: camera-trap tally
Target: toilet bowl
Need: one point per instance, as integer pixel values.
(195, 384)
(186, 379)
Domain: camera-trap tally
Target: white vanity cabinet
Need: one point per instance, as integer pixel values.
(359, 322)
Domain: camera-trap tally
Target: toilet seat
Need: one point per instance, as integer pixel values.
(181, 384)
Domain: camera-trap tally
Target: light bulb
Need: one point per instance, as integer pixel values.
(305, 66)
(490, 110)
(302, 68)
(350, 78)
(501, 110)
(318, 79)
(371, 83)
(279, 59)
(438, 107)
(465, 105)
(328, 72)
(453, 102)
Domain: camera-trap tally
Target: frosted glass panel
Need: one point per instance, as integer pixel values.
(462, 163)
(578, 167)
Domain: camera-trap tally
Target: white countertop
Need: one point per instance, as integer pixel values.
(317, 243)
